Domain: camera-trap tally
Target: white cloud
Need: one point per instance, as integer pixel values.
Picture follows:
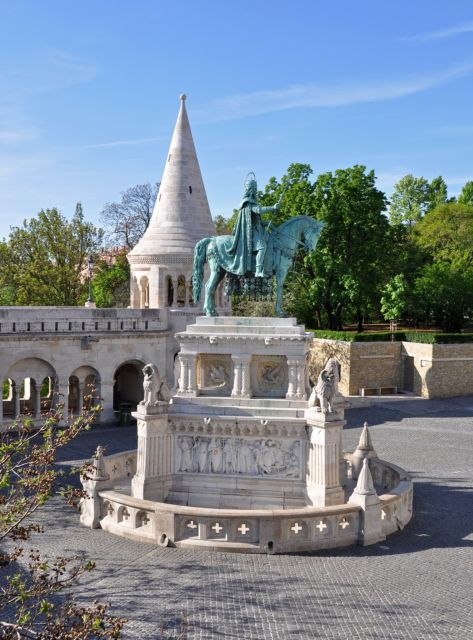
(441, 34)
(312, 95)
(121, 143)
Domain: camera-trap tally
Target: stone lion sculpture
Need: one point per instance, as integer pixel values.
(324, 392)
(154, 386)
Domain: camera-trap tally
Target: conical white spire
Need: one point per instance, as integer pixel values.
(365, 443)
(181, 215)
(365, 486)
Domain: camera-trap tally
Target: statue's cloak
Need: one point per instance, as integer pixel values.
(248, 237)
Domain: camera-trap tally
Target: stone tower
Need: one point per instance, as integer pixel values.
(161, 262)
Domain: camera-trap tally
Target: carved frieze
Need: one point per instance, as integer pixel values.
(267, 457)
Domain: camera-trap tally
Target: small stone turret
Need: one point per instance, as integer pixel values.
(364, 450)
(365, 496)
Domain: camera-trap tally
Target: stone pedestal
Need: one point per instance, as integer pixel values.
(364, 495)
(324, 482)
(155, 462)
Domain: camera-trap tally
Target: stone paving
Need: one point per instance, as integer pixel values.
(417, 584)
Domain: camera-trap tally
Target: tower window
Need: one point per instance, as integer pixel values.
(190, 189)
(169, 158)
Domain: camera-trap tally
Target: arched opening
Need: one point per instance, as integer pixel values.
(169, 291)
(84, 389)
(28, 381)
(128, 388)
(181, 291)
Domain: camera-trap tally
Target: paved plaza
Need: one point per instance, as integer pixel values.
(417, 584)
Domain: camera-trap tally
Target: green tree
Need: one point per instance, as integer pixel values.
(347, 269)
(438, 193)
(111, 282)
(446, 233)
(410, 200)
(295, 192)
(466, 194)
(394, 298)
(223, 225)
(444, 294)
(45, 258)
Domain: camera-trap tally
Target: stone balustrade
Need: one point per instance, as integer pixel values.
(121, 465)
(250, 530)
(41, 320)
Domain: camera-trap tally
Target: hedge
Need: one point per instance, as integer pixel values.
(398, 336)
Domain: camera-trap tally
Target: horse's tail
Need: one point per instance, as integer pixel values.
(200, 253)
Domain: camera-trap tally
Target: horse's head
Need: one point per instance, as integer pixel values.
(311, 234)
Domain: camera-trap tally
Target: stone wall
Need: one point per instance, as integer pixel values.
(431, 371)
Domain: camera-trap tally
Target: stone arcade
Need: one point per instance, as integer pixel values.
(239, 461)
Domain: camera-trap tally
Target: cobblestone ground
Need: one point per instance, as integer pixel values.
(417, 584)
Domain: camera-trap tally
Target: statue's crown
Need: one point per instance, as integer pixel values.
(250, 181)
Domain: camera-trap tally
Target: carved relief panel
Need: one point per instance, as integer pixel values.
(214, 374)
(266, 457)
(269, 378)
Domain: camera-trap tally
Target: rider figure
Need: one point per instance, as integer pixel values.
(250, 235)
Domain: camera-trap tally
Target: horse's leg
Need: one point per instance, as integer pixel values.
(281, 274)
(216, 274)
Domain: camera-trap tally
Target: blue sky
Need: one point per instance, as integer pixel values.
(89, 94)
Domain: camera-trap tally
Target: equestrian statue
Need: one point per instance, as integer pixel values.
(254, 254)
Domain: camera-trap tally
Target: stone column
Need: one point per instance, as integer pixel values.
(155, 459)
(16, 400)
(192, 377)
(187, 298)
(61, 397)
(292, 378)
(187, 378)
(174, 286)
(183, 373)
(37, 401)
(241, 376)
(104, 397)
(301, 379)
(80, 398)
(237, 375)
(323, 481)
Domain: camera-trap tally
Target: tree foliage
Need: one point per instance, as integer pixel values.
(348, 265)
(394, 297)
(111, 282)
(126, 221)
(410, 200)
(43, 261)
(466, 194)
(35, 592)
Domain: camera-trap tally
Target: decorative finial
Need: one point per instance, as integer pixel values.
(182, 97)
(364, 486)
